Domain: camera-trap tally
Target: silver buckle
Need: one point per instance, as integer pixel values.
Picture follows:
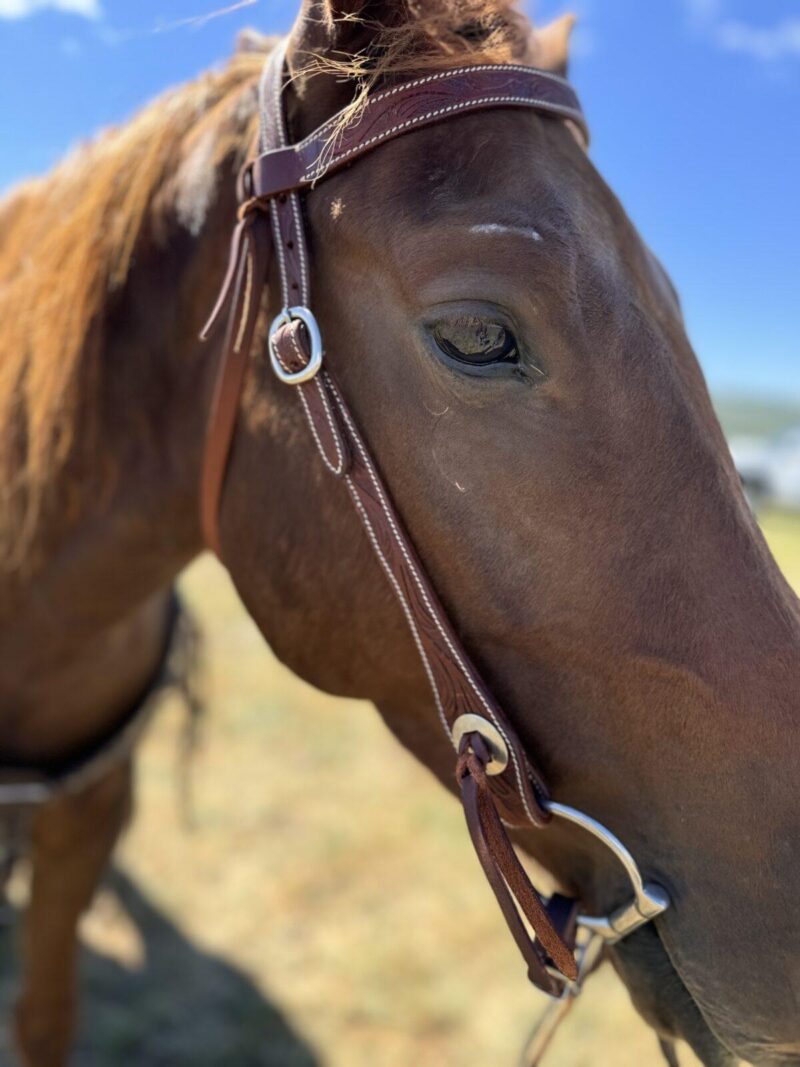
(476, 724)
(305, 374)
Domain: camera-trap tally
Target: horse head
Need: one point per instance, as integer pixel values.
(516, 358)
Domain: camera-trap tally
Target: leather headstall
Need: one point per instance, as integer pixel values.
(499, 785)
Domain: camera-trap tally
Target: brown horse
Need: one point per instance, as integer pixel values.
(517, 360)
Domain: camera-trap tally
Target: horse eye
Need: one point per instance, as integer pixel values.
(476, 341)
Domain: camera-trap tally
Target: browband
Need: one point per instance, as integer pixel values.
(410, 106)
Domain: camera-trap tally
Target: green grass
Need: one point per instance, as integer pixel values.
(746, 415)
(323, 909)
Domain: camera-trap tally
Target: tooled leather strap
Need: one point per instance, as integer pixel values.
(410, 106)
(518, 795)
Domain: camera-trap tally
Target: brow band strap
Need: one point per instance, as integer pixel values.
(393, 112)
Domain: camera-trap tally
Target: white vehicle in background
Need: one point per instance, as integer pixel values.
(770, 468)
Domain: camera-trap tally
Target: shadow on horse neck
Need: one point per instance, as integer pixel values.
(517, 360)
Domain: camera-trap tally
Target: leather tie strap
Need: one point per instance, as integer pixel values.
(555, 930)
(241, 292)
(515, 794)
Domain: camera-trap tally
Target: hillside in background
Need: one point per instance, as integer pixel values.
(755, 416)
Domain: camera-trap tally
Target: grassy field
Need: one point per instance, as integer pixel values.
(320, 909)
(751, 416)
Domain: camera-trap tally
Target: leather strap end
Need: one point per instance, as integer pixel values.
(241, 290)
(508, 879)
(215, 318)
(228, 284)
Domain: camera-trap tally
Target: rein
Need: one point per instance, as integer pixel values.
(500, 786)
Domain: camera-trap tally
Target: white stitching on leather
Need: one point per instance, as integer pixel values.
(300, 245)
(301, 359)
(440, 76)
(421, 588)
(315, 171)
(320, 447)
(310, 418)
(334, 432)
(278, 246)
(278, 93)
(278, 123)
(519, 68)
(337, 470)
(263, 88)
(401, 598)
(248, 296)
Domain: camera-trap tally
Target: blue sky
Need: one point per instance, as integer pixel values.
(694, 106)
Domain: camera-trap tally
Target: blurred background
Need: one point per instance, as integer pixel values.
(325, 910)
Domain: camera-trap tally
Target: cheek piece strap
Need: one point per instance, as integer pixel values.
(500, 786)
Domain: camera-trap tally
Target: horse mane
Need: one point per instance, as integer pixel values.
(425, 36)
(67, 244)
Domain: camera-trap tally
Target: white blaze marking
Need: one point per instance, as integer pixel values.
(496, 229)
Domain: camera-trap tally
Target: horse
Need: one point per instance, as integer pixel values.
(516, 358)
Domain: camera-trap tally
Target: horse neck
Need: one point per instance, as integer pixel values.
(134, 501)
(82, 619)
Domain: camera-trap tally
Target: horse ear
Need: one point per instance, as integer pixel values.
(550, 45)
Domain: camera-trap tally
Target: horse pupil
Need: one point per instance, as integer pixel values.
(474, 340)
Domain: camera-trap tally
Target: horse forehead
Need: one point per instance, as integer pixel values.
(495, 167)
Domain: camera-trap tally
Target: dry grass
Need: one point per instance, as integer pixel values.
(325, 909)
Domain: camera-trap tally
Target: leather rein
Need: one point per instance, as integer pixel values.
(500, 786)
